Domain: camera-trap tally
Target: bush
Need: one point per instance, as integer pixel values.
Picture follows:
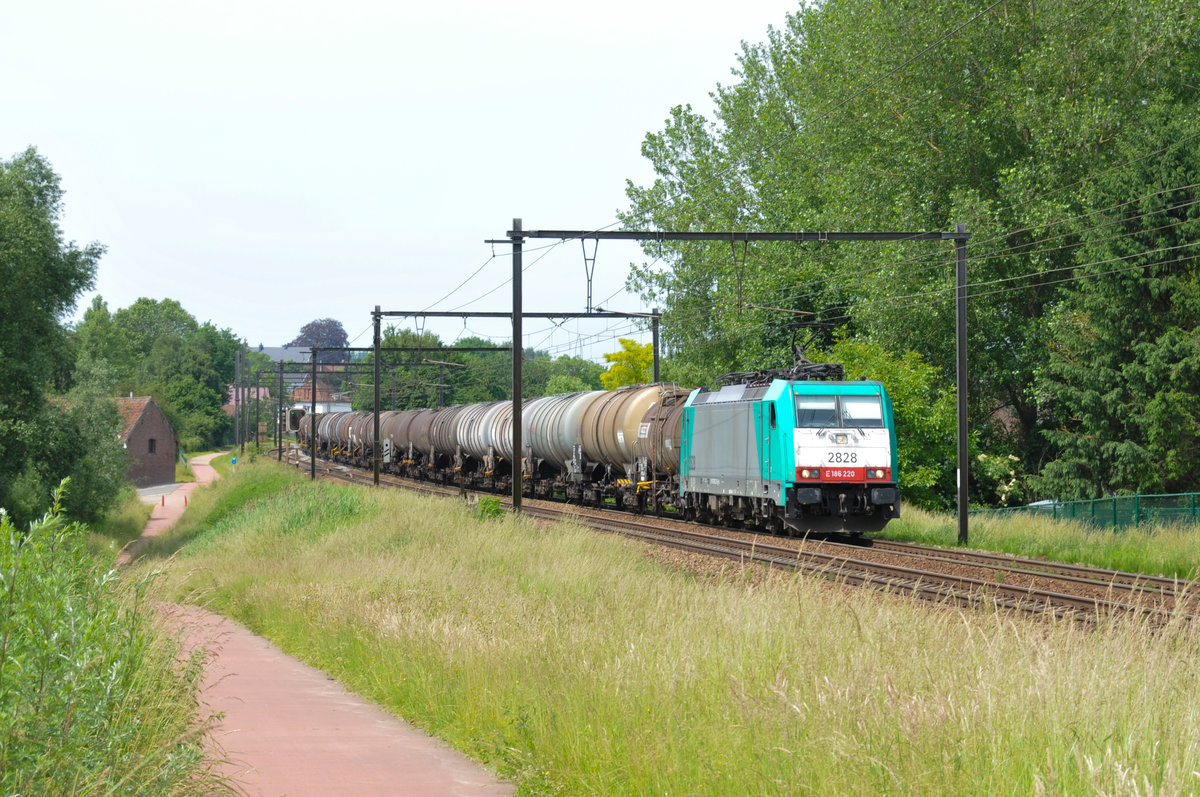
(91, 699)
(487, 508)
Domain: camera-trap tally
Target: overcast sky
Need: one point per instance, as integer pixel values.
(267, 164)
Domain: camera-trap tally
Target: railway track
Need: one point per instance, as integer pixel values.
(1080, 574)
(951, 577)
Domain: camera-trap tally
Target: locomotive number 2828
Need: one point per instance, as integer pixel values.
(843, 457)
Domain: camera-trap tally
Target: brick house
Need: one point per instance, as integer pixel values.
(149, 440)
(327, 399)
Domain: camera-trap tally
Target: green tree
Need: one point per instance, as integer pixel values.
(158, 348)
(91, 454)
(632, 365)
(561, 383)
(42, 276)
(854, 116)
(1123, 374)
(147, 321)
(324, 333)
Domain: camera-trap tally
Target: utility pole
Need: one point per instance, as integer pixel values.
(256, 403)
(376, 447)
(654, 333)
(960, 335)
(517, 355)
(280, 418)
(312, 429)
(242, 383)
(237, 380)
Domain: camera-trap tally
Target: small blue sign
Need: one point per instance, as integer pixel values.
(235, 460)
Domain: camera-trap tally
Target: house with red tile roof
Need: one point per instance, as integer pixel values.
(149, 441)
(327, 399)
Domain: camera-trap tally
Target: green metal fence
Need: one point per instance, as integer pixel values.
(1125, 510)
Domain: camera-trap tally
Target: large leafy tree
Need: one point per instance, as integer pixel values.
(42, 276)
(856, 116)
(323, 333)
(157, 347)
(1123, 376)
(83, 442)
(632, 365)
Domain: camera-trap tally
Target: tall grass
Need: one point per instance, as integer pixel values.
(1171, 550)
(571, 663)
(92, 698)
(119, 526)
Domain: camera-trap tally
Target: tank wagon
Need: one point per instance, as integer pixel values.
(782, 456)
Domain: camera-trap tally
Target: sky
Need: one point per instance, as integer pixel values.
(270, 163)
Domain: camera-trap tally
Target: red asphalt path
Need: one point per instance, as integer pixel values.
(289, 729)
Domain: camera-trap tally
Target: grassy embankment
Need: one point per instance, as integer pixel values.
(571, 663)
(93, 699)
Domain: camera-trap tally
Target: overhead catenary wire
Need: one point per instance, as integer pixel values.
(550, 247)
(930, 261)
(1030, 248)
(1063, 188)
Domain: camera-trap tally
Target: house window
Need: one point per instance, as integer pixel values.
(152, 445)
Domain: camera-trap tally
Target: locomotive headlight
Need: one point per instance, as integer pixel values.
(840, 439)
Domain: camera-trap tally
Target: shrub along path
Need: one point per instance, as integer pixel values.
(290, 729)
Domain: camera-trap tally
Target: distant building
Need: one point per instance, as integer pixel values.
(294, 376)
(291, 354)
(149, 441)
(327, 400)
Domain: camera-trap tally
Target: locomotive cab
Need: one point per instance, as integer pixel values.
(791, 456)
(844, 448)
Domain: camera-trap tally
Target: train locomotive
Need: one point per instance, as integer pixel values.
(792, 456)
(784, 456)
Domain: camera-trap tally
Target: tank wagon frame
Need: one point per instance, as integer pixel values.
(781, 456)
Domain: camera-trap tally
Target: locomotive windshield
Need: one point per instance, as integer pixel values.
(820, 412)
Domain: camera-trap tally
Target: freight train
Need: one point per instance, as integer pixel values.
(777, 455)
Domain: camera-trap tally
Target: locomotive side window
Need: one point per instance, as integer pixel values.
(862, 412)
(815, 412)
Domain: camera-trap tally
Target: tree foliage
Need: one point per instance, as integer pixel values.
(324, 333)
(857, 116)
(42, 276)
(632, 365)
(158, 348)
(1124, 365)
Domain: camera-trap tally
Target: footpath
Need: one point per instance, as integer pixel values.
(289, 729)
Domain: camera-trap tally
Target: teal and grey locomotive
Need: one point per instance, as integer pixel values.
(781, 455)
(791, 456)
